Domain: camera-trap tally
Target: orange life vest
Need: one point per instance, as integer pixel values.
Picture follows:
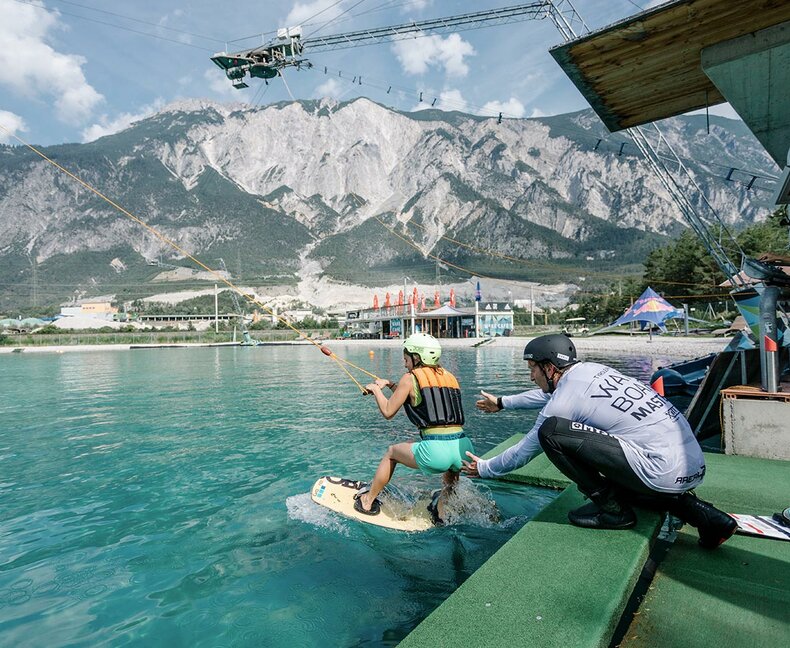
(440, 405)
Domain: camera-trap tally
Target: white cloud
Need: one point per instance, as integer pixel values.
(417, 55)
(108, 126)
(13, 124)
(168, 32)
(221, 85)
(510, 108)
(32, 68)
(304, 11)
(452, 100)
(329, 88)
(534, 84)
(415, 5)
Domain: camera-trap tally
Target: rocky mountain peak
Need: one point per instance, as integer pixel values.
(300, 189)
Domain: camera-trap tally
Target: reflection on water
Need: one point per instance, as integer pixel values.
(161, 497)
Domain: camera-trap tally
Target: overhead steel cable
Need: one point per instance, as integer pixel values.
(109, 24)
(626, 142)
(424, 28)
(485, 251)
(138, 20)
(593, 275)
(388, 4)
(545, 266)
(471, 273)
(329, 22)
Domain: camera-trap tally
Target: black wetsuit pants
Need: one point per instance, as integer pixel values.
(595, 461)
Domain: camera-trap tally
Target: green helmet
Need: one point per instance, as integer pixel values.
(424, 345)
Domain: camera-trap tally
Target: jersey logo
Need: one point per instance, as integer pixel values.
(583, 427)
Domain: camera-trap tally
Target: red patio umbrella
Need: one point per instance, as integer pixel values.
(436, 303)
(387, 303)
(452, 297)
(422, 303)
(400, 298)
(375, 301)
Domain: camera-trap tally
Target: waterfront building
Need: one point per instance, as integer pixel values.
(98, 307)
(485, 319)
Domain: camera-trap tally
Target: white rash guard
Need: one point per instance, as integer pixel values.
(657, 440)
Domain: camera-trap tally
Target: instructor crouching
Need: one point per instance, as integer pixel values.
(617, 439)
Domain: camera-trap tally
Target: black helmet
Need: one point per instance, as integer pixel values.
(556, 349)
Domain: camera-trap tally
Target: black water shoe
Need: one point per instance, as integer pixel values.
(603, 512)
(714, 526)
(433, 508)
(591, 516)
(375, 507)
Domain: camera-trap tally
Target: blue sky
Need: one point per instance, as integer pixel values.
(74, 70)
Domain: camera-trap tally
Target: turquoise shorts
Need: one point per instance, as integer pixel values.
(438, 456)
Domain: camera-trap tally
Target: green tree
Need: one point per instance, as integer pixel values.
(686, 271)
(683, 268)
(309, 323)
(768, 237)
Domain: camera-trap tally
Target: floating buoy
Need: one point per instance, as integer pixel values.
(371, 353)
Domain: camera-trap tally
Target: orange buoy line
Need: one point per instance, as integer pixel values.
(325, 350)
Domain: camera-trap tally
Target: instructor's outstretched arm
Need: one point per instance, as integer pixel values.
(489, 403)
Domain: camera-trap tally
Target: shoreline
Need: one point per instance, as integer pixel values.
(664, 346)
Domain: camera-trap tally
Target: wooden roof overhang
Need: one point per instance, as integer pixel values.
(647, 67)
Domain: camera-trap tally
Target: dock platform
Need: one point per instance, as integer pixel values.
(553, 584)
(738, 594)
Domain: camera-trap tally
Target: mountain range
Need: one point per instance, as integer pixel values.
(311, 197)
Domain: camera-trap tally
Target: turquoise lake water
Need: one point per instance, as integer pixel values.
(161, 498)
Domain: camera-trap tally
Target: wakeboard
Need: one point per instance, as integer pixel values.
(337, 494)
(762, 526)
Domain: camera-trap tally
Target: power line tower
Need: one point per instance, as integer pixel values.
(247, 339)
(34, 297)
